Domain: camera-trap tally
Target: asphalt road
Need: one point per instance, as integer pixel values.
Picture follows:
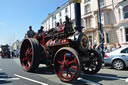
(11, 73)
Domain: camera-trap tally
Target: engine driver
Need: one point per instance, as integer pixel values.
(30, 32)
(40, 31)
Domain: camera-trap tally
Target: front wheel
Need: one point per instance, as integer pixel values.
(94, 64)
(30, 54)
(67, 64)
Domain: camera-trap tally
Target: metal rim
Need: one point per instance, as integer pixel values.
(94, 64)
(26, 58)
(118, 64)
(67, 65)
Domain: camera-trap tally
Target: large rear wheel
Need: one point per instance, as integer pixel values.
(67, 64)
(30, 54)
(94, 64)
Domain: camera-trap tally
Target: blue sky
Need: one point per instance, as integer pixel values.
(17, 15)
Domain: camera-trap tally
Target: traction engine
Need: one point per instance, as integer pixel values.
(63, 48)
(5, 52)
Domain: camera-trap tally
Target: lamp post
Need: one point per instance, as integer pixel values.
(100, 30)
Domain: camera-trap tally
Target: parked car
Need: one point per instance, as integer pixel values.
(117, 58)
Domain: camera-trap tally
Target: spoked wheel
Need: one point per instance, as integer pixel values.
(29, 54)
(94, 64)
(118, 64)
(67, 64)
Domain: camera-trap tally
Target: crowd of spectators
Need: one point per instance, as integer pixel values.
(107, 49)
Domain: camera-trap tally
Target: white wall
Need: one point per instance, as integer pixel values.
(94, 5)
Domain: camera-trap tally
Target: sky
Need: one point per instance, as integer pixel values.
(17, 15)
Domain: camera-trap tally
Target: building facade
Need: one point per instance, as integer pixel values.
(16, 45)
(114, 18)
(122, 20)
(67, 9)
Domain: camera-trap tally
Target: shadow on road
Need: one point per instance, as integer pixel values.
(45, 70)
(4, 76)
(95, 79)
(110, 67)
(10, 58)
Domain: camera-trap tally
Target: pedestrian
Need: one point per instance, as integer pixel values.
(13, 55)
(114, 47)
(118, 46)
(89, 43)
(40, 33)
(30, 32)
(106, 50)
(17, 53)
(97, 47)
(109, 49)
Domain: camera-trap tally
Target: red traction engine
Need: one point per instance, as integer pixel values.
(65, 49)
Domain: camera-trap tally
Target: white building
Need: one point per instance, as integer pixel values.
(16, 45)
(90, 18)
(122, 21)
(67, 9)
(114, 17)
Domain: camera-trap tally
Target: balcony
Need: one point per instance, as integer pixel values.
(87, 30)
(123, 22)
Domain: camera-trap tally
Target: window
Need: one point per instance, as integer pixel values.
(101, 3)
(102, 18)
(121, 36)
(60, 14)
(60, 21)
(88, 22)
(48, 26)
(107, 37)
(87, 9)
(125, 10)
(106, 18)
(55, 24)
(83, 22)
(54, 17)
(66, 10)
(126, 33)
(86, 1)
(125, 50)
(119, 14)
